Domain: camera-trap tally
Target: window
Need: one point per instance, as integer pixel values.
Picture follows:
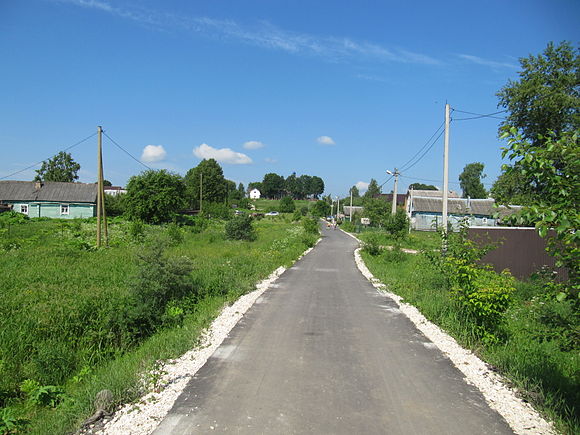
(24, 208)
(64, 209)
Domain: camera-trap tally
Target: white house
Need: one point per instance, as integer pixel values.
(255, 194)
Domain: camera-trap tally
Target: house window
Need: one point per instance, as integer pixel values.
(64, 209)
(24, 208)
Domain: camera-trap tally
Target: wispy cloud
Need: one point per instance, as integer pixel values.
(486, 62)
(325, 140)
(223, 155)
(153, 153)
(262, 34)
(253, 145)
(270, 160)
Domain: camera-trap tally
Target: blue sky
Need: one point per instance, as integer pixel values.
(340, 89)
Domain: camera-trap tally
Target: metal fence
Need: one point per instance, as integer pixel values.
(521, 250)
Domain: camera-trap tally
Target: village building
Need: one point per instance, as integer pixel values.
(255, 194)
(50, 198)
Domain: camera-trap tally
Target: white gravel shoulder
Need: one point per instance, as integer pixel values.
(522, 418)
(142, 417)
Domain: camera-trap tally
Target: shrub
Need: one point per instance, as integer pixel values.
(320, 209)
(217, 210)
(115, 205)
(240, 228)
(287, 205)
(174, 233)
(372, 244)
(159, 280)
(310, 225)
(136, 230)
(397, 225)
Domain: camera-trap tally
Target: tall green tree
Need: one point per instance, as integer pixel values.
(512, 187)
(272, 185)
(546, 98)
(373, 189)
(61, 167)
(354, 191)
(470, 181)
(316, 186)
(555, 163)
(154, 196)
(214, 183)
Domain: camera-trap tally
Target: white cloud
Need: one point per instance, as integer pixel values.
(253, 145)
(270, 160)
(261, 34)
(485, 62)
(325, 140)
(223, 155)
(362, 186)
(153, 153)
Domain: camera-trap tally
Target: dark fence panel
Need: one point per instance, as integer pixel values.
(521, 250)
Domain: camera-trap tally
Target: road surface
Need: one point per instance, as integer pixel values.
(324, 353)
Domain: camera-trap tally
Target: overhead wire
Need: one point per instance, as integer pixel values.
(38, 163)
(425, 152)
(126, 152)
(403, 168)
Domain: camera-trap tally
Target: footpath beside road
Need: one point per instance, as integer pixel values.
(324, 353)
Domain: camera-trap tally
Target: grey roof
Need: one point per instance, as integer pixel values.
(482, 207)
(47, 191)
(431, 193)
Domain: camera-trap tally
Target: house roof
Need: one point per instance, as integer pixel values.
(401, 197)
(482, 207)
(47, 191)
(431, 193)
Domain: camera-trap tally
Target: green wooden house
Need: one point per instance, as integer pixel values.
(50, 198)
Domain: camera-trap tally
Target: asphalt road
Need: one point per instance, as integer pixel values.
(324, 353)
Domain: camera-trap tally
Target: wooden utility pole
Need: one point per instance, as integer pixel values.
(101, 214)
(445, 173)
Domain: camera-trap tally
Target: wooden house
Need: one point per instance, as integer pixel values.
(50, 198)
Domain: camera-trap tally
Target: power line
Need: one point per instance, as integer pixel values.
(36, 164)
(479, 115)
(437, 181)
(403, 168)
(426, 151)
(126, 152)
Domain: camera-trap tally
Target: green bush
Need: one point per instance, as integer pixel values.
(174, 234)
(372, 244)
(240, 228)
(159, 280)
(286, 205)
(217, 210)
(310, 225)
(397, 225)
(320, 209)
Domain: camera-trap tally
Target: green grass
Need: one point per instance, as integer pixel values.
(67, 307)
(536, 350)
(418, 240)
(265, 205)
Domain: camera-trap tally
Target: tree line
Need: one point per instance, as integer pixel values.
(274, 186)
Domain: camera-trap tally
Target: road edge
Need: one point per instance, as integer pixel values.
(521, 416)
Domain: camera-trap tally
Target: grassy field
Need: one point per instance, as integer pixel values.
(75, 319)
(266, 205)
(416, 239)
(537, 348)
